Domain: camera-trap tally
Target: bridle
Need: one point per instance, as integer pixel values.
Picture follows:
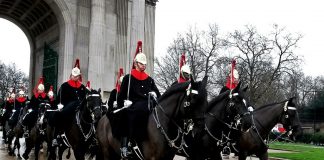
(181, 131)
(234, 122)
(79, 118)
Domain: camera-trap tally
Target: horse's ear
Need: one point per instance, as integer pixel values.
(99, 90)
(237, 88)
(245, 88)
(204, 81)
(192, 79)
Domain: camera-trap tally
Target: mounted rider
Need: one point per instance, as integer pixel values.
(112, 102)
(37, 99)
(184, 75)
(69, 98)
(134, 98)
(7, 111)
(20, 103)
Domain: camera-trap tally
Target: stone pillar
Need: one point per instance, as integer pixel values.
(121, 53)
(81, 49)
(137, 26)
(149, 36)
(97, 43)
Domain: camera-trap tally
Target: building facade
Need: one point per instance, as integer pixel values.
(101, 33)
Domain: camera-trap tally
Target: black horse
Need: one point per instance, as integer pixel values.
(38, 132)
(17, 132)
(264, 119)
(226, 117)
(80, 129)
(166, 123)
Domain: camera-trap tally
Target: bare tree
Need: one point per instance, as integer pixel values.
(264, 60)
(11, 77)
(201, 49)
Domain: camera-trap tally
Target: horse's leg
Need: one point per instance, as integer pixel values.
(10, 147)
(242, 155)
(263, 156)
(37, 147)
(29, 146)
(17, 145)
(79, 152)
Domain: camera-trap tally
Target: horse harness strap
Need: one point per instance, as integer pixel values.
(92, 128)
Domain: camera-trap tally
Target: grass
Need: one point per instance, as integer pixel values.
(300, 151)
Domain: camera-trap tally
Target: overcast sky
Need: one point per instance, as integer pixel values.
(302, 16)
(175, 16)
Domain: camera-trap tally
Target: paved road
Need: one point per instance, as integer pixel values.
(4, 154)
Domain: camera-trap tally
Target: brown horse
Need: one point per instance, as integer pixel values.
(165, 123)
(264, 119)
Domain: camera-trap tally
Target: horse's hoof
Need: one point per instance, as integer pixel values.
(25, 156)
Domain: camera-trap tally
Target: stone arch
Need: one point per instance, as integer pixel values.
(37, 19)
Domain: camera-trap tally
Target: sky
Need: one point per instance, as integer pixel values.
(14, 46)
(297, 16)
(175, 16)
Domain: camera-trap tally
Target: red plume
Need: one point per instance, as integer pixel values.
(51, 88)
(230, 84)
(88, 85)
(138, 50)
(77, 63)
(120, 73)
(181, 63)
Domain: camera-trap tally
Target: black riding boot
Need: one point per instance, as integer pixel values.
(124, 147)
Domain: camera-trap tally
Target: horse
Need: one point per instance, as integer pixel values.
(17, 133)
(80, 130)
(226, 117)
(37, 133)
(263, 120)
(166, 123)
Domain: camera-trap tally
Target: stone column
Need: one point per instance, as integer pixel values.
(136, 25)
(97, 43)
(149, 36)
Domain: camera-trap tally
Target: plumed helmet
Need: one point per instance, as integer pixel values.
(121, 79)
(236, 74)
(76, 70)
(141, 58)
(50, 93)
(41, 87)
(21, 92)
(185, 69)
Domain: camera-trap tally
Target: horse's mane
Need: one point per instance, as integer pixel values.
(173, 89)
(218, 99)
(271, 104)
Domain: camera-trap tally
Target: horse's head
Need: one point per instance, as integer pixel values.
(231, 106)
(196, 99)
(290, 119)
(237, 108)
(93, 103)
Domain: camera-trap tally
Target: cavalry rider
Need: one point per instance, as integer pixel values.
(7, 111)
(51, 97)
(37, 99)
(184, 70)
(232, 79)
(69, 97)
(19, 105)
(112, 102)
(136, 101)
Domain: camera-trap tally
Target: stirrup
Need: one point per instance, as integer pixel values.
(124, 152)
(54, 143)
